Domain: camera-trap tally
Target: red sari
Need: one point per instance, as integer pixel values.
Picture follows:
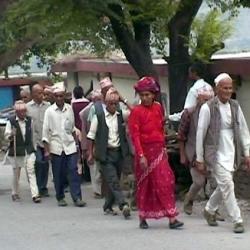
(155, 185)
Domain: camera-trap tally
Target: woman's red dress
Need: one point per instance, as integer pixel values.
(156, 185)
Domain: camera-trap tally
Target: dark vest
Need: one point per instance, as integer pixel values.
(22, 145)
(211, 142)
(101, 141)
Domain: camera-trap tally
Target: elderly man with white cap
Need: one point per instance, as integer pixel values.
(19, 132)
(59, 143)
(222, 136)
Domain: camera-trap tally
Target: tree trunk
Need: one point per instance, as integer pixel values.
(136, 45)
(179, 59)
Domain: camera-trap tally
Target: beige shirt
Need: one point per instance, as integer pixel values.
(112, 124)
(58, 128)
(36, 112)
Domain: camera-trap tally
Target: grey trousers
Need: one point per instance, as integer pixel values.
(111, 171)
(199, 181)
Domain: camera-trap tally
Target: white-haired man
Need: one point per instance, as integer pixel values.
(19, 131)
(222, 135)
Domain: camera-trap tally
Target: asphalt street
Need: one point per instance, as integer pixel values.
(25, 226)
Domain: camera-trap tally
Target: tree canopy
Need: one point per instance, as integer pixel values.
(46, 28)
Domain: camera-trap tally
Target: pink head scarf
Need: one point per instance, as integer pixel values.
(147, 83)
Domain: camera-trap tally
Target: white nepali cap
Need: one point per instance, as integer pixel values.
(220, 77)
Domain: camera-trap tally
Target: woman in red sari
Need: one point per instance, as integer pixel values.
(155, 180)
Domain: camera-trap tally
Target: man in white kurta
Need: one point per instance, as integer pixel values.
(199, 86)
(225, 155)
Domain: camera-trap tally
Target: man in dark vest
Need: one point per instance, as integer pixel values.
(21, 151)
(107, 134)
(222, 137)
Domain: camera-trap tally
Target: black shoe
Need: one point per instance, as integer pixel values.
(36, 199)
(62, 203)
(143, 224)
(98, 196)
(176, 224)
(110, 211)
(15, 197)
(126, 211)
(44, 193)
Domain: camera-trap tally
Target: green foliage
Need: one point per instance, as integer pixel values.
(54, 27)
(208, 34)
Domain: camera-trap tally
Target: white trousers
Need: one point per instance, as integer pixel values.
(224, 192)
(28, 162)
(95, 175)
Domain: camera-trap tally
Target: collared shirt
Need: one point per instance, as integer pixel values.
(112, 123)
(36, 112)
(58, 128)
(226, 148)
(22, 125)
(8, 128)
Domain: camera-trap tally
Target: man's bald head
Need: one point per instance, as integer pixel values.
(37, 93)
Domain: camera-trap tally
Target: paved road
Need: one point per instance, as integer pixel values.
(26, 226)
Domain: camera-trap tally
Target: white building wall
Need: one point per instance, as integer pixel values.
(124, 84)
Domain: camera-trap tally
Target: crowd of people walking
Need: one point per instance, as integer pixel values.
(103, 129)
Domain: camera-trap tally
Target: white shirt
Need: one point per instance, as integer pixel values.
(226, 149)
(36, 112)
(191, 99)
(58, 127)
(22, 125)
(8, 128)
(112, 124)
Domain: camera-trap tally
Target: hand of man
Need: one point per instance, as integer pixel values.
(200, 166)
(183, 159)
(90, 159)
(247, 163)
(143, 162)
(47, 155)
(84, 154)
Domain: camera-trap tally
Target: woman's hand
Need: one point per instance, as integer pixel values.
(143, 162)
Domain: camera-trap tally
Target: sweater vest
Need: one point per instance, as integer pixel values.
(23, 145)
(211, 142)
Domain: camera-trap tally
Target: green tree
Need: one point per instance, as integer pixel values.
(48, 27)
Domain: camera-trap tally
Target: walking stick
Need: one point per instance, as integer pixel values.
(14, 141)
